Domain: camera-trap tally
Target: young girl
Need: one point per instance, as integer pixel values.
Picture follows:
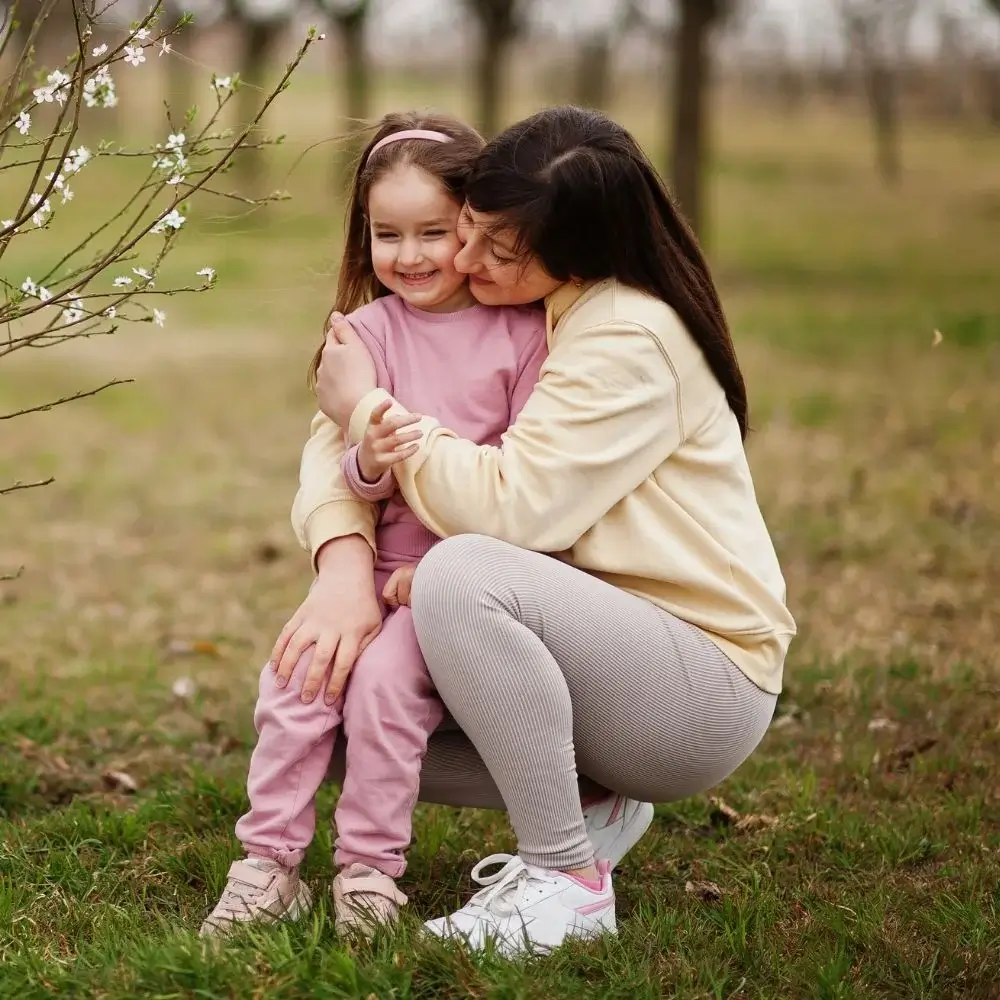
(473, 367)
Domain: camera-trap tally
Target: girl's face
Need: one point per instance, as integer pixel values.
(412, 221)
(498, 276)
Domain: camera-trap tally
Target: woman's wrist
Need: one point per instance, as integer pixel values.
(349, 555)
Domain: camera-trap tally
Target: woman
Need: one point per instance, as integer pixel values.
(646, 657)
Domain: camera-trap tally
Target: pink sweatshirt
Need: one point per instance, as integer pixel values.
(473, 370)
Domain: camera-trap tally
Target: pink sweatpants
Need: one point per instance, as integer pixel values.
(388, 710)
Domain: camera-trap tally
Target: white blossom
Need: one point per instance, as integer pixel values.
(54, 89)
(75, 159)
(172, 220)
(175, 141)
(23, 122)
(134, 55)
(176, 179)
(111, 312)
(67, 194)
(123, 281)
(42, 208)
(44, 294)
(29, 287)
(73, 313)
(165, 48)
(6, 223)
(207, 272)
(99, 90)
(100, 50)
(159, 317)
(142, 34)
(144, 274)
(222, 82)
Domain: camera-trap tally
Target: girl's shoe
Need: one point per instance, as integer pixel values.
(523, 909)
(258, 890)
(365, 899)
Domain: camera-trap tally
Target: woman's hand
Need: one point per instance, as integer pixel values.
(396, 592)
(339, 618)
(346, 372)
(385, 442)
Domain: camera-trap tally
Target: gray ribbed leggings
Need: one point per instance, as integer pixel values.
(549, 673)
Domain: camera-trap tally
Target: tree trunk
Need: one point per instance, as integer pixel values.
(689, 126)
(489, 81)
(593, 71)
(883, 100)
(356, 82)
(253, 65)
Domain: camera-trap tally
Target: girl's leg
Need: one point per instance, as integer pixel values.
(548, 669)
(294, 746)
(390, 709)
(288, 765)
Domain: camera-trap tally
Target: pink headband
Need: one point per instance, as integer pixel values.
(408, 133)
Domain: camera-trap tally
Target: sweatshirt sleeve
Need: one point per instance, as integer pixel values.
(381, 489)
(603, 417)
(324, 507)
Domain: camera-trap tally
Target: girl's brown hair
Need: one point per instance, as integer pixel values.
(450, 162)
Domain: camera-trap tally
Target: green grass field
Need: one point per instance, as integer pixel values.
(867, 860)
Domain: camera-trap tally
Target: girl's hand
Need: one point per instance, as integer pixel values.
(385, 442)
(346, 372)
(396, 592)
(338, 619)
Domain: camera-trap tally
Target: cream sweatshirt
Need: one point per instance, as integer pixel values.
(626, 461)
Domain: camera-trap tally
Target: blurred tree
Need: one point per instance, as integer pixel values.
(991, 76)
(500, 22)
(349, 18)
(261, 22)
(689, 124)
(595, 56)
(877, 32)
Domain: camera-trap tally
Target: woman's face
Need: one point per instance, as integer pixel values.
(498, 276)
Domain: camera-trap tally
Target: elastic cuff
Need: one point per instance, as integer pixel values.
(381, 489)
(285, 857)
(393, 868)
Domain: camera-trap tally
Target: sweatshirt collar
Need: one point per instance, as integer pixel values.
(562, 300)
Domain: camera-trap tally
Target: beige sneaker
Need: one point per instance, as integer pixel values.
(364, 899)
(258, 890)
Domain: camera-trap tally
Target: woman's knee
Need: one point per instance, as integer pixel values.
(451, 571)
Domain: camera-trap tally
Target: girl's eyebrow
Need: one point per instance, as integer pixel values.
(429, 222)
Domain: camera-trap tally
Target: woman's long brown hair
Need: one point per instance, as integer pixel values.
(585, 200)
(450, 162)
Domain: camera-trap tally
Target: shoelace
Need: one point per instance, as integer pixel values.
(238, 901)
(504, 892)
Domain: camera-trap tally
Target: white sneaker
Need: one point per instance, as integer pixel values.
(528, 909)
(258, 890)
(615, 825)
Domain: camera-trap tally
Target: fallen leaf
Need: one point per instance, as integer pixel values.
(757, 821)
(899, 760)
(938, 337)
(784, 722)
(722, 814)
(707, 892)
(197, 647)
(877, 724)
(120, 781)
(267, 552)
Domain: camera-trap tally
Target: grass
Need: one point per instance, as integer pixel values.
(868, 856)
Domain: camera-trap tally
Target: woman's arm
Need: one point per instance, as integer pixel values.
(324, 508)
(603, 417)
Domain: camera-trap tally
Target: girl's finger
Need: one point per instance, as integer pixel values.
(380, 411)
(398, 440)
(404, 420)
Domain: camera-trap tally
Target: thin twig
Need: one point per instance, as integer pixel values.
(4, 490)
(83, 394)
